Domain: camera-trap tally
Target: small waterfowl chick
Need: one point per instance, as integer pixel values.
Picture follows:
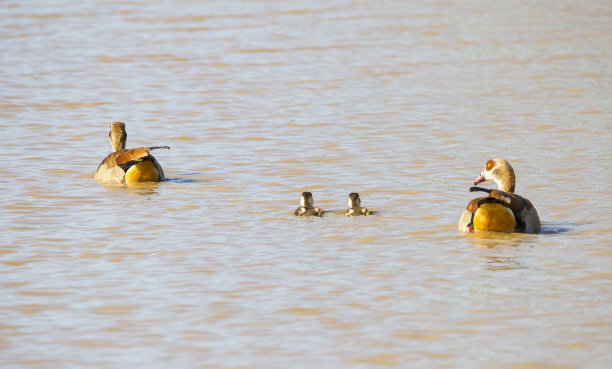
(128, 165)
(354, 204)
(502, 210)
(306, 207)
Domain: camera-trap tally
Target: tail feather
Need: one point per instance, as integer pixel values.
(475, 188)
(159, 147)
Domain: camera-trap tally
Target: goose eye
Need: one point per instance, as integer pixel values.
(490, 164)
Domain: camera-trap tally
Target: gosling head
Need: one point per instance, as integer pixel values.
(353, 200)
(306, 200)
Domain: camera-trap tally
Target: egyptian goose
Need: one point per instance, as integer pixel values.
(354, 204)
(502, 210)
(306, 207)
(128, 165)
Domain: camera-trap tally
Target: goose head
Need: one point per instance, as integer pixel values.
(500, 172)
(117, 136)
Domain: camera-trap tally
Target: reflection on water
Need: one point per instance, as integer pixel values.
(400, 101)
(142, 187)
(503, 263)
(493, 239)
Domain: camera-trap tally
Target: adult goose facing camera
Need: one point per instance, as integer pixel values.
(128, 165)
(502, 210)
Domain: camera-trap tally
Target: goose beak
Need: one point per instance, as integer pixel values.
(480, 179)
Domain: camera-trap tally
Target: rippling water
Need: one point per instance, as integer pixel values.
(403, 102)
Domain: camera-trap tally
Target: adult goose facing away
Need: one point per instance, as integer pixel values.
(128, 165)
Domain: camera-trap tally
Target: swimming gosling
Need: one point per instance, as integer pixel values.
(306, 207)
(354, 204)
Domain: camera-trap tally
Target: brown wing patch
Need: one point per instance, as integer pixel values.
(136, 154)
(473, 205)
(493, 198)
(516, 203)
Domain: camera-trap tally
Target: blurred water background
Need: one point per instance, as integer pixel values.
(401, 101)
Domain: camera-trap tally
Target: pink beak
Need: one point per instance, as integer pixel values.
(469, 229)
(480, 179)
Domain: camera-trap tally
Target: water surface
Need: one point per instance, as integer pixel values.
(403, 102)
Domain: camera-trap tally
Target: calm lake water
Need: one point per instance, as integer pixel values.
(401, 101)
